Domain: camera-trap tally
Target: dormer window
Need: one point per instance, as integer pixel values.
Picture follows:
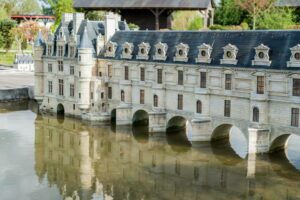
(144, 49)
(295, 57)
(127, 50)
(111, 48)
(204, 55)
(181, 53)
(262, 57)
(161, 51)
(230, 55)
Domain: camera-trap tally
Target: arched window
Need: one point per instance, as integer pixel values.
(199, 106)
(155, 100)
(122, 95)
(255, 114)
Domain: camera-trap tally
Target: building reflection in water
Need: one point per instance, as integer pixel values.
(91, 162)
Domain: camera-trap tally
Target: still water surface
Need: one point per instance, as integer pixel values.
(44, 158)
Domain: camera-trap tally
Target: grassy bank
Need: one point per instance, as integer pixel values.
(7, 58)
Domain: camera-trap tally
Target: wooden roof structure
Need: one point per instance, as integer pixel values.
(142, 4)
(149, 14)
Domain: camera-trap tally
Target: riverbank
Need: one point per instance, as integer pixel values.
(15, 85)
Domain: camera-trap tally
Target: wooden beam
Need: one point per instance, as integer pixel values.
(157, 12)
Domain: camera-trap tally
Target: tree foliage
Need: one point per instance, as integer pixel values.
(228, 13)
(14, 7)
(196, 23)
(60, 7)
(6, 26)
(255, 8)
(183, 19)
(276, 18)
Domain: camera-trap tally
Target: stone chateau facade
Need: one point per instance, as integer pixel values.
(206, 81)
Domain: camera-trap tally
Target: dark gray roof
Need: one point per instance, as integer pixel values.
(288, 3)
(85, 41)
(92, 29)
(279, 43)
(135, 4)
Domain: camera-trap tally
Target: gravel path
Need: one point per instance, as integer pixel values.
(11, 78)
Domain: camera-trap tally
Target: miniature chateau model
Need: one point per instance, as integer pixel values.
(24, 62)
(205, 81)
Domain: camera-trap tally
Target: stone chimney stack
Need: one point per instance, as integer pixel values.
(77, 19)
(111, 25)
(66, 18)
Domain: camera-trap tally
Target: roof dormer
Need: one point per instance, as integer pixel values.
(204, 55)
(110, 49)
(262, 57)
(182, 51)
(295, 57)
(230, 55)
(144, 49)
(160, 51)
(127, 50)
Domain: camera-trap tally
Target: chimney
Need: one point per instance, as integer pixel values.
(66, 18)
(111, 25)
(77, 19)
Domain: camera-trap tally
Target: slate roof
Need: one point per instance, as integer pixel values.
(88, 31)
(136, 4)
(288, 3)
(279, 43)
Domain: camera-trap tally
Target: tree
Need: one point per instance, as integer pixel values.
(196, 23)
(276, 18)
(60, 7)
(29, 7)
(228, 13)
(182, 19)
(255, 8)
(95, 15)
(6, 26)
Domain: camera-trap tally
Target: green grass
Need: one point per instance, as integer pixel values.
(7, 58)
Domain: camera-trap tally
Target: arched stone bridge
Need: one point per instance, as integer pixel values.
(262, 138)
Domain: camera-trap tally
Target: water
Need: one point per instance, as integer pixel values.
(45, 158)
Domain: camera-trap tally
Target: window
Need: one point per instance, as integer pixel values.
(126, 73)
(50, 87)
(142, 96)
(49, 53)
(79, 95)
(296, 87)
(199, 107)
(295, 117)
(159, 76)
(109, 92)
(109, 70)
(155, 100)
(60, 51)
(255, 114)
(142, 74)
(72, 70)
(260, 85)
(72, 90)
(102, 95)
(180, 77)
(74, 107)
(92, 95)
(180, 102)
(228, 81)
(227, 105)
(61, 87)
(49, 67)
(72, 51)
(60, 66)
(122, 95)
(202, 79)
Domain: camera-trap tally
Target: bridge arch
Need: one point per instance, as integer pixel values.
(140, 118)
(113, 116)
(279, 143)
(60, 110)
(178, 128)
(230, 137)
